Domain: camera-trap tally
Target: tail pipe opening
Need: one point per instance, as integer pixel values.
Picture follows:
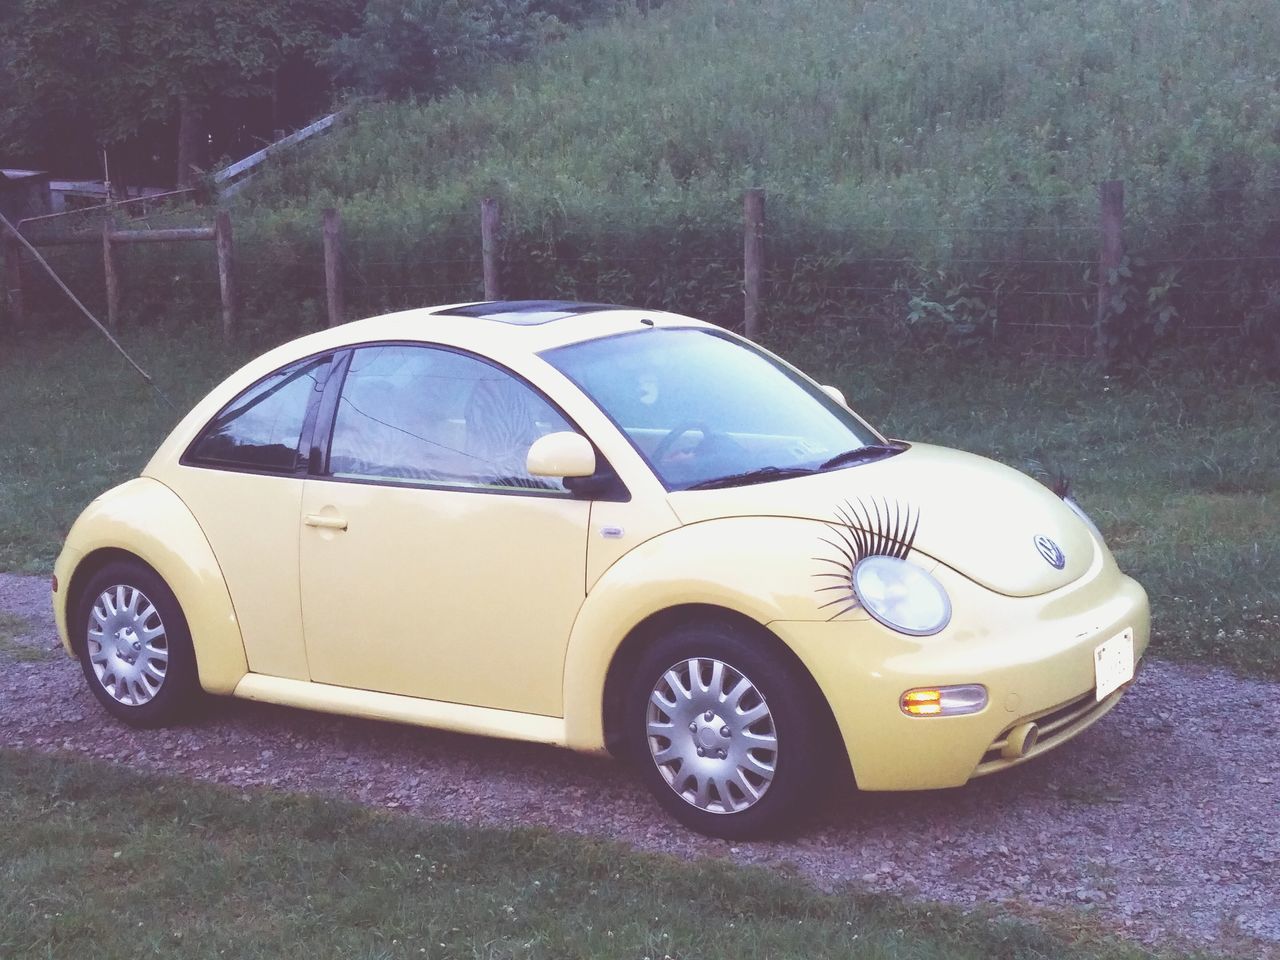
(1020, 741)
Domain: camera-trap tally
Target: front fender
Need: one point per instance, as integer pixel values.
(145, 518)
(759, 567)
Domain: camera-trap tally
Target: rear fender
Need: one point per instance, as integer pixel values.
(145, 519)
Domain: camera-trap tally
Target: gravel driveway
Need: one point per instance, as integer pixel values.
(1162, 821)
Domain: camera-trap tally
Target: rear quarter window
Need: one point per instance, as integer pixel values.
(261, 429)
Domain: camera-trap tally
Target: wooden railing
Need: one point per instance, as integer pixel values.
(230, 180)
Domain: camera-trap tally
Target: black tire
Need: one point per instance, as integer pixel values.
(166, 701)
(798, 721)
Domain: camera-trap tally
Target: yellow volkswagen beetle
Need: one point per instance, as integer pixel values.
(608, 529)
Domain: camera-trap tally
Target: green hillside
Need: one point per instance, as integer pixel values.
(960, 140)
(851, 108)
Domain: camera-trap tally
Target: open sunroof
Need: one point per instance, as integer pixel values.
(527, 313)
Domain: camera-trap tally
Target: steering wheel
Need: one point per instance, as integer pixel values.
(664, 445)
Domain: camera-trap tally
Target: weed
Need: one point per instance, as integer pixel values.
(11, 647)
(965, 135)
(206, 871)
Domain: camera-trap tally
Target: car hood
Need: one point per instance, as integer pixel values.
(979, 517)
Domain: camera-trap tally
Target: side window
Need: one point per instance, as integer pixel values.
(261, 429)
(431, 416)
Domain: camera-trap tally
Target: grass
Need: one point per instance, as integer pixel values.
(929, 133)
(895, 138)
(11, 628)
(1180, 469)
(864, 108)
(99, 862)
(79, 420)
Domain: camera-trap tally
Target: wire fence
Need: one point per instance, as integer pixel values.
(1042, 280)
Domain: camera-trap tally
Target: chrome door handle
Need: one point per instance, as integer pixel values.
(327, 523)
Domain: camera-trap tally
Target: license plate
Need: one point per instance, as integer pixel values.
(1113, 664)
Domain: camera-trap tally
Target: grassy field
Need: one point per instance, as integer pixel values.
(895, 138)
(11, 647)
(903, 114)
(78, 420)
(1181, 470)
(99, 862)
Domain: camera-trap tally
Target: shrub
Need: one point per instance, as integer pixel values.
(896, 139)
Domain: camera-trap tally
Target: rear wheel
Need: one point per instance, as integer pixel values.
(135, 646)
(725, 732)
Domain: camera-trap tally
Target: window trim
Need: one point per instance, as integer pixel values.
(327, 417)
(302, 453)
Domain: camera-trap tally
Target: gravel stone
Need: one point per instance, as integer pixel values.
(1161, 822)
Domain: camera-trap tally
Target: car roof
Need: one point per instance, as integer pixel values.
(525, 313)
(488, 329)
(502, 328)
(509, 332)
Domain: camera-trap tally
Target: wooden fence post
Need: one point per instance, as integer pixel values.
(490, 225)
(111, 270)
(333, 265)
(12, 252)
(226, 273)
(1110, 258)
(752, 259)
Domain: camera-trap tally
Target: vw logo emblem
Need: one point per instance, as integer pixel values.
(1051, 552)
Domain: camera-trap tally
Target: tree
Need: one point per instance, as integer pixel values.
(423, 47)
(63, 85)
(207, 49)
(110, 69)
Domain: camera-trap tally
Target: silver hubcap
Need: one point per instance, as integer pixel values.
(127, 645)
(712, 736)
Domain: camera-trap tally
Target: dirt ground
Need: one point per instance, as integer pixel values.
(1162, 821)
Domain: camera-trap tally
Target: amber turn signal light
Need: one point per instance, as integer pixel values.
(944, 701)
(922, 703)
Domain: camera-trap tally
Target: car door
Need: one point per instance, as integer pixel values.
(242, 478)
(432, 564)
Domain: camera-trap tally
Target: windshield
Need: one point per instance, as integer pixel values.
(707, 410)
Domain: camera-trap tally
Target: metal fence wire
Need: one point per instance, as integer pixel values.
(1070, 275)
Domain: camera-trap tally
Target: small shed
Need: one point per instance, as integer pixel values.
(24, 193)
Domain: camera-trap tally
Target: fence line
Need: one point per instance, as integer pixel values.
(496, 269)
(111, 238)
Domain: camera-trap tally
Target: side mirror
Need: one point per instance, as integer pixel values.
(836, 394)
(564, 454)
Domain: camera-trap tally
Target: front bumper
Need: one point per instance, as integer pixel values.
(1033, 654)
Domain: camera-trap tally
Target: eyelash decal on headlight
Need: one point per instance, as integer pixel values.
(874, 530)
(1052, 476)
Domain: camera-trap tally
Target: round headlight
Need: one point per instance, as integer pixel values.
(901, 595)
(1088, 522)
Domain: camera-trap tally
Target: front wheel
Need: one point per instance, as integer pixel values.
(135, 646)
(725, 732)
